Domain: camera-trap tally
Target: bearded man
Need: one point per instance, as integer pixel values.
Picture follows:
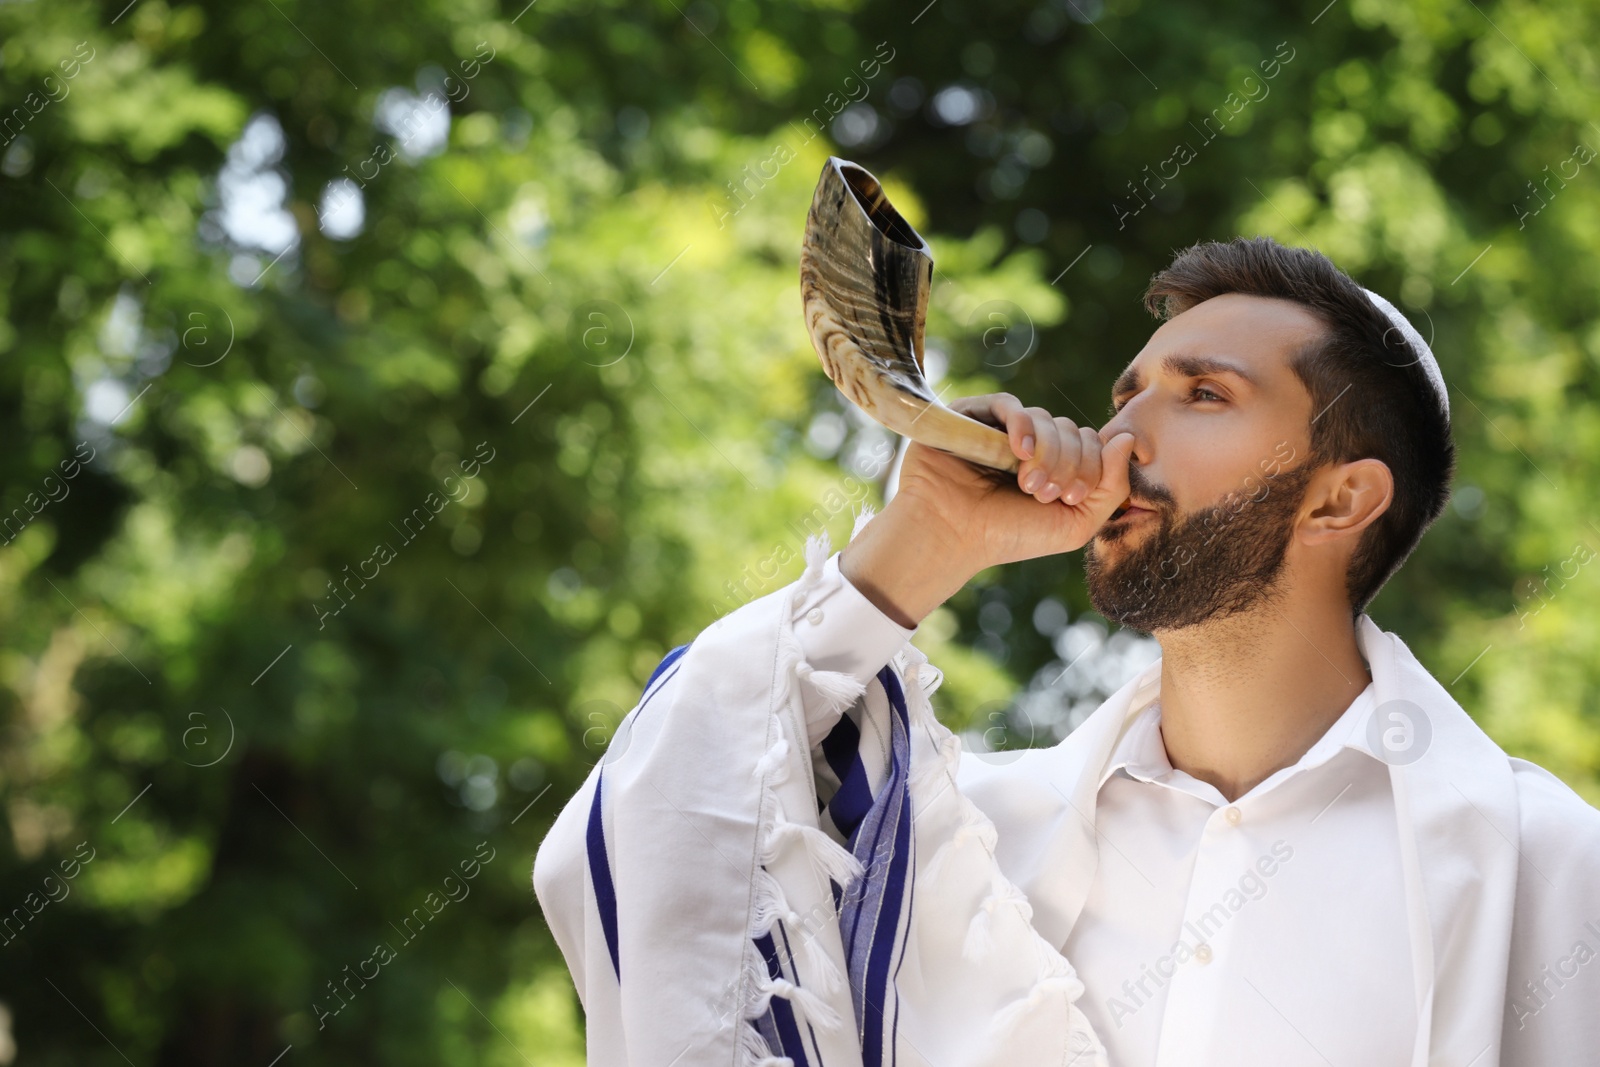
(1282, 843)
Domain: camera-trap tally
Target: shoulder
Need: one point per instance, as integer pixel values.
(1560, 830)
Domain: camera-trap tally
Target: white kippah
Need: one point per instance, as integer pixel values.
(1418, 345)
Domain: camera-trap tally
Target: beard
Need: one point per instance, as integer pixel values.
(1211, 563)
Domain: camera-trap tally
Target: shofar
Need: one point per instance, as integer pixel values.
(865, 275)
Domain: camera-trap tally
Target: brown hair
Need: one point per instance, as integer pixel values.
(1366, 382)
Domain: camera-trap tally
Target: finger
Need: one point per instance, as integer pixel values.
(1089, 466)
(1068, 459)
(1002, 410)
(1034, 475)
(1018, 424)
(1112, 489)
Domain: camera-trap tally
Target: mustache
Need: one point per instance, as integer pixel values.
(1143, 489)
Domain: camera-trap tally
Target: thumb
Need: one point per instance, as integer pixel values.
(1113, 487)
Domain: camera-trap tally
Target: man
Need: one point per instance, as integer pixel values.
(1282, 843)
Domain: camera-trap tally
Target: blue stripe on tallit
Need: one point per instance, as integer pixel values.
(911, 895)
(888, 925)
(605, 893)
(666, 661)
(784, 1026)
(853, 800)
(870, 917)
(790, 951)
(605, 890)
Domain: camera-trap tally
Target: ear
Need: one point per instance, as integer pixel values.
(1346, 499)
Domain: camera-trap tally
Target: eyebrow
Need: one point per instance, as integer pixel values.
(1184, 366)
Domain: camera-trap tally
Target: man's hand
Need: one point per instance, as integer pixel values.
(951, 519)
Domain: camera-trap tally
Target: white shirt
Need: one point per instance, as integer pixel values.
(1269, 931)
(1295, 890)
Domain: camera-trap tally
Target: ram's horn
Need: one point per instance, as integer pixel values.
(865, 275)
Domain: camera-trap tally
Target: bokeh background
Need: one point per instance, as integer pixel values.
(384, 388)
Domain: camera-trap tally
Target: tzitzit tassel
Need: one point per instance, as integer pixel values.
(942, 768)
(1012, 1014)
(774, 761)
(770, 908)
(754, 1050)
(837, 689)
(767, 904)
(980, 830)
(828, 858)
(979, 935)
(819, 968)
(862, 519)
(816, 1010)
(819, 547)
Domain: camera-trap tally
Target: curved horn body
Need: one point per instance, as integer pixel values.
(865, 275)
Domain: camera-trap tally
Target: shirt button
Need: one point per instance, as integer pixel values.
(1202, 953)
(814, 616)
(1233, 815)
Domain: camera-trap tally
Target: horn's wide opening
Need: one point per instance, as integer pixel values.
(869, 194)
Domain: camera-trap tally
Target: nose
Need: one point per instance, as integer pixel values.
(1124, 422)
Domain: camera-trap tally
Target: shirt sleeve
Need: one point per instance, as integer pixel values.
(841, 630)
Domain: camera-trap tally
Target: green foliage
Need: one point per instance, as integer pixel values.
(277, 738)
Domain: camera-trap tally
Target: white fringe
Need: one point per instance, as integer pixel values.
(818, 548)
(1003, 894)
(862, 519)
(815, 1010)
(769, 909)
(767, 904)
(942, 769)
(828, 857)
(1012, 1014)
(819, 966)
(774, 762)
(837, 689)
(754, 1050)
(975, 826)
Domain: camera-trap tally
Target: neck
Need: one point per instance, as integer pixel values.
(1245, 696)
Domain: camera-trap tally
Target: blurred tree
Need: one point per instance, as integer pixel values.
(385, 395)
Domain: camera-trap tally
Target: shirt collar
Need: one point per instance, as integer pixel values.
(1142, 754)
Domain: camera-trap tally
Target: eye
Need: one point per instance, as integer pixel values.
(1210, 394)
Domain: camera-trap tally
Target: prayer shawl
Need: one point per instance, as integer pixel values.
(712, 910)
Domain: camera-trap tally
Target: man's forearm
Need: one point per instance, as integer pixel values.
(903, 562)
